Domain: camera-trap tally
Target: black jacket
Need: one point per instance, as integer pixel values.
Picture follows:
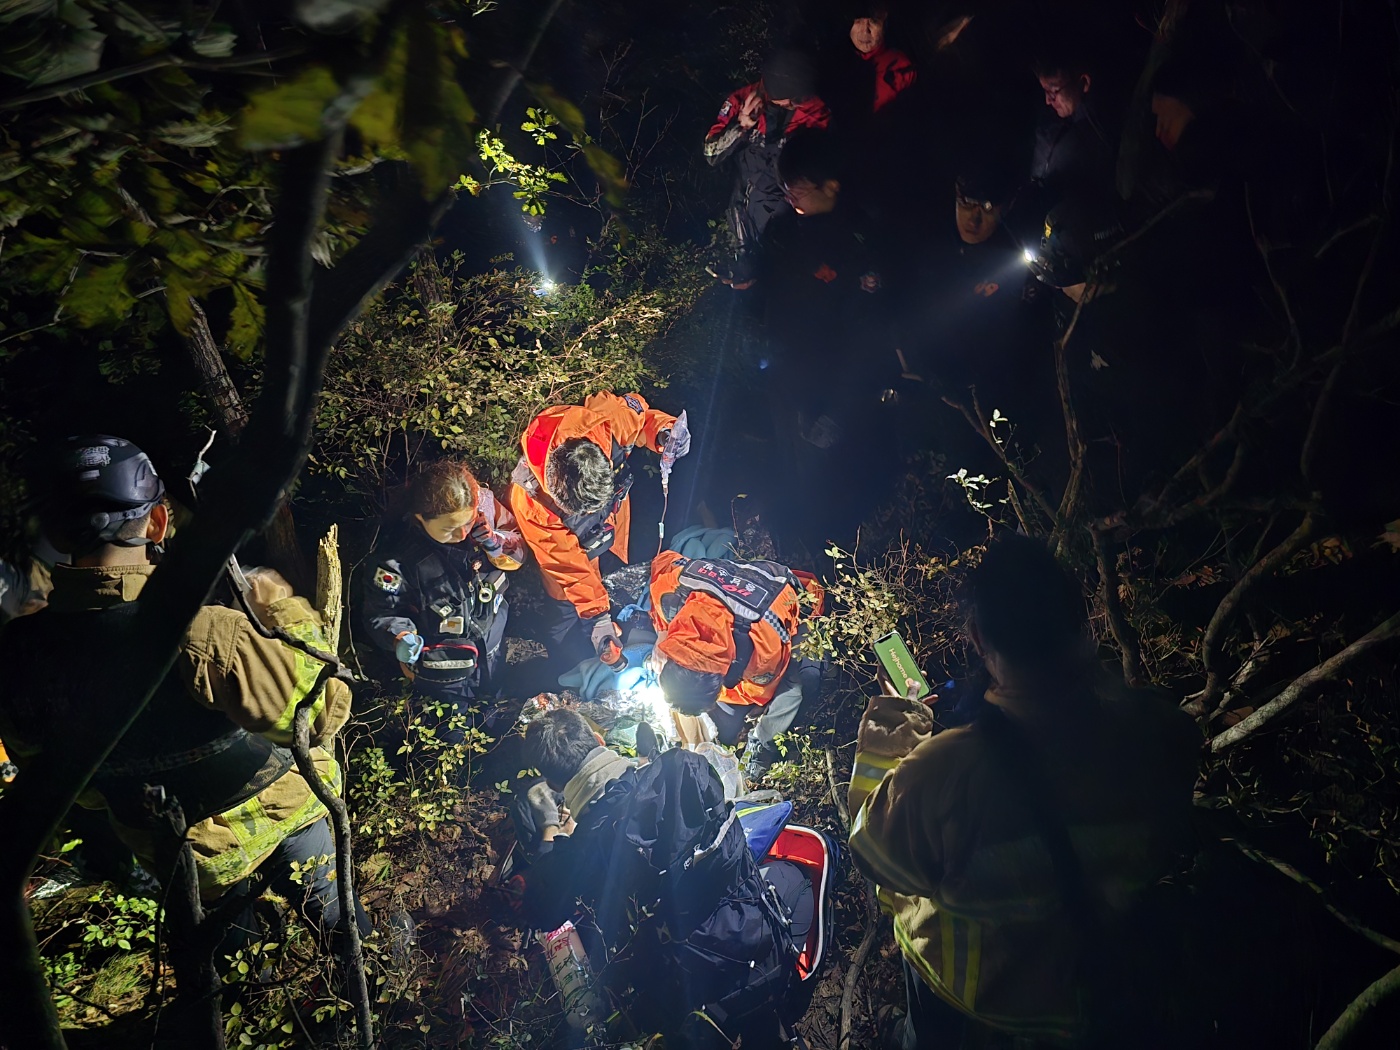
(447, 593)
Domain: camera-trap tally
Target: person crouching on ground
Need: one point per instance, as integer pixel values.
(1005, 848)
(436, 597)
(655, 858)
(570, 494)
(726, 632)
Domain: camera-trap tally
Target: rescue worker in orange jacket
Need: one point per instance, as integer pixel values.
(726, 631)
(569, 494)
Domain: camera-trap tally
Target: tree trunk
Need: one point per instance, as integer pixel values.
(285, 553)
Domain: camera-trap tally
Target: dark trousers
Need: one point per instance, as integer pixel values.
(796, 695)
(930, 1024)
(316, 898)
(566, 636)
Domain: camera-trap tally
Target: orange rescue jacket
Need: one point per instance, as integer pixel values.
(612, 423)
(700, 635)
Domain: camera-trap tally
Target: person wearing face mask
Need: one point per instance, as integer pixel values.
(436, 596)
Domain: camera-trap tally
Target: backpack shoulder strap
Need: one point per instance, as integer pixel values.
(743, 652)
(1018, 761)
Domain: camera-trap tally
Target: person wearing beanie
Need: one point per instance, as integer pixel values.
(726, 636)
(749, 131)
(1006, 847)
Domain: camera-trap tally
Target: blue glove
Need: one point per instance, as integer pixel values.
(487, 539)
(408, 648)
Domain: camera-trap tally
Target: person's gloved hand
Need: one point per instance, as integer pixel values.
(408, 647)
(677, 442)
(604, 631)
(544, 806)
(492, 544)
(265, 586)
(487, 538)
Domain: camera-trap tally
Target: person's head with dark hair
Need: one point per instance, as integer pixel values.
(443, 500)
(788, 78)
(579, 476)
(557, 744)
(868, 20)
(810, 171)
(1026, 614)
(1064, 76)
(982, 193)
(690, 692)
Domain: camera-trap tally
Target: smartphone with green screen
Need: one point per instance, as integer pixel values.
(900, 669)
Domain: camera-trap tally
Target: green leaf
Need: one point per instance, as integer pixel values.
(611, 174)
(569, 114)
(245, 322)
(290, 113)
(334, 16)
(99, 295)
(179, 290)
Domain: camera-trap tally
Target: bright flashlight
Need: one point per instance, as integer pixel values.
(545, 287)
(1028, 255)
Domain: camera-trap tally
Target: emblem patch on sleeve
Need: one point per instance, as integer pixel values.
(725, 109)
(388, 581)
(633, 402)
(761, 679)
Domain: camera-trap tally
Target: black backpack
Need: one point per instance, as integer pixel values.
(714, 948)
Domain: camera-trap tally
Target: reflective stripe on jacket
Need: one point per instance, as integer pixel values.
(959, 860)
(223, 667)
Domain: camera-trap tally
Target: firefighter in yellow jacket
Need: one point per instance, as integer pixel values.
(215, 733)
(1003, 847)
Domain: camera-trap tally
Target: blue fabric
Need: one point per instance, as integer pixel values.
(762, 824)
(592, 678)
(696, 541)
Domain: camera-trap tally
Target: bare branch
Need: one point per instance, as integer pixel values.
(353, 963)
(1213, 643)
(1123, 631)
(1349, 921)
(1344, 1027)
(1305, 683)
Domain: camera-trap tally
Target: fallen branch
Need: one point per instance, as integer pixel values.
(848, 994)
(837, 796)
(1375, 937)
(352, 962)
(1344, 1027)
(1305, 683)
(1213, 643)
(872, 915)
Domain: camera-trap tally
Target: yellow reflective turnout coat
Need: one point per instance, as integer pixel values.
(958, 859)
(224, 666)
